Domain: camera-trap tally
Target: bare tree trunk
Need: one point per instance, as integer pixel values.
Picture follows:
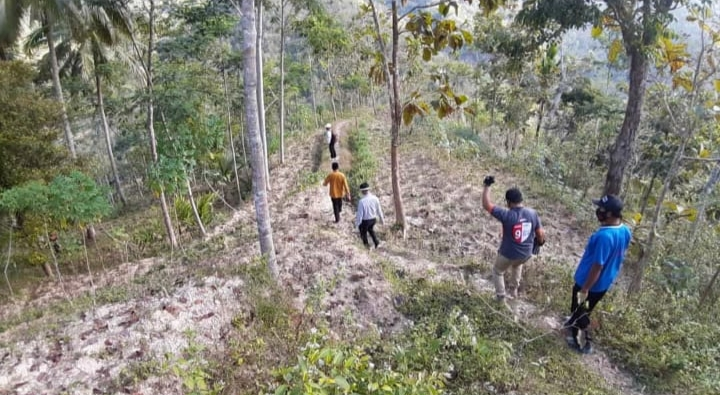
(151, 127)
(708, 289)
(261, 94)
(639, 269)
(230, 133)
(624, 146)
(282, 81)
(262, 209)
(394, 97)
(55, 71)
(108, 140)
(312, 93)
(87, 264)
(646, 195)
(194, 206)
(704, 199)
(7, 262)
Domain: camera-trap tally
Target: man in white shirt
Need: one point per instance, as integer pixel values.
(331, 139)
(368, 211)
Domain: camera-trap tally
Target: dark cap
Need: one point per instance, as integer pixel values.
(513, 195)
(364, 186)
(609, 203)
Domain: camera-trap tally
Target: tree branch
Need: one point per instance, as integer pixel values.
(419, 7)
(701, 159)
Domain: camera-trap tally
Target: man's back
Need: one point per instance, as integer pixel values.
(606, 247)
(519, 226)
(338, 184)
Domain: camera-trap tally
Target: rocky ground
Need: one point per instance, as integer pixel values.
(99, 350)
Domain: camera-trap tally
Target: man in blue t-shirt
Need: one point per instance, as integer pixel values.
(598, 268)
(521, 231)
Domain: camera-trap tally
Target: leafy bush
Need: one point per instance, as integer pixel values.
(205, 206)
(325, 368)
(668, 341)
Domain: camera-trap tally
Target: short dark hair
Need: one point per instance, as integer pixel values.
(513, 195)
(335, 166)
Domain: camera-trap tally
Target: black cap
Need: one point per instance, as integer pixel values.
(364, 186)
(609, 203)
(513, 195)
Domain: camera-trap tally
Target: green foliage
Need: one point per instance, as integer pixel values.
(29, 129)
(364, 163)
(668, 341)
(68, 199)
(327, 368)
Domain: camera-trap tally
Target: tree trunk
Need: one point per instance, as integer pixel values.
(261, 94)
(194, 206)
(708, 289)
(151, 127)
(7, 262)
(396, 122)
(539, 120)
(69, 138)
(624, 146)
(312, 93)
(260, 194)
(394, 97)
(646, 195)
(639, 269)
(704, 199)
(230, 133)
(282, 81)
(108, 140)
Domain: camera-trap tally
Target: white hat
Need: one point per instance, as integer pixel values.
(328, 126)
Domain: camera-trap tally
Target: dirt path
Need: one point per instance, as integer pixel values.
(85, 354)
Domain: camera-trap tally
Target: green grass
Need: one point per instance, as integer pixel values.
(364, 163)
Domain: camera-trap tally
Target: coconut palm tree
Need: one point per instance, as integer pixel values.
(85, 48)
(49, 14)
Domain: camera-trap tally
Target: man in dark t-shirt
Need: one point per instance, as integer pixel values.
(521, 227)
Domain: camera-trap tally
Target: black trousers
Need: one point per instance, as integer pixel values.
(580, 318)
(337, 208)
(331, 146)
(366, 226)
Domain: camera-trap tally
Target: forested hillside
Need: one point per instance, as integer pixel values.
(166, 225)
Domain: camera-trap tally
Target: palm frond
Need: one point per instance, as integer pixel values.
(34, 40)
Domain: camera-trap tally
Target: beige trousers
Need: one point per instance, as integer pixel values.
(501, 265)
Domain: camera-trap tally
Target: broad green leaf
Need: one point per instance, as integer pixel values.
(717, 85)
(342, 383)
(704, 153)
(427, 54)
(596, 31)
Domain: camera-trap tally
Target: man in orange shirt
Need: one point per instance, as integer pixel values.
(338, 189)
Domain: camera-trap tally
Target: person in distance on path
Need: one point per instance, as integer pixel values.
(368, 211)
(338, 189)
(520, 226)
(599, 266)
(331, 138)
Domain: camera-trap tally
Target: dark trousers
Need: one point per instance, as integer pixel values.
(580, 318)
(366, 226)
(332, 150)
(337, 208)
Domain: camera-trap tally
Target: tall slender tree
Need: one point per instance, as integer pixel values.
(49, 14)
(260, 194)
